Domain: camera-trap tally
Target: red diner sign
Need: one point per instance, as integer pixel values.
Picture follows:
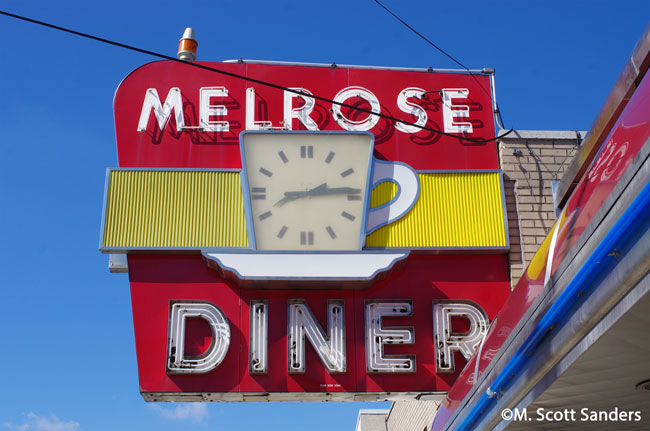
(260, 320)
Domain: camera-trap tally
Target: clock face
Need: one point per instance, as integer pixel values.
(307, 191)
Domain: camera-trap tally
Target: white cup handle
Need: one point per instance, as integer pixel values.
(408, 190)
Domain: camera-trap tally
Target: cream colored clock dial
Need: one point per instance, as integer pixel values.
(307, 191)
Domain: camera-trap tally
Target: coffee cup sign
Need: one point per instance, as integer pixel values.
(310, 191)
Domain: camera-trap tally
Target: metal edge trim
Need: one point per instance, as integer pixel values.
(484, 71)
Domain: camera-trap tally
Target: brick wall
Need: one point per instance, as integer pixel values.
(531, 161)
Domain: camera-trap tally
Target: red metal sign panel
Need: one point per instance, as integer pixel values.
(156, 281)
(459, 104)
(201, 335)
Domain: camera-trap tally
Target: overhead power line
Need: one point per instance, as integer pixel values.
(419, 34)
(498, 111)
(234, 75)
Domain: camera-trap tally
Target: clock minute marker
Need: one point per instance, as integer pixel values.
(348, 216)
(329, 157)
(330, 231)
(265, 215)
(306, 238)
(266, 172)
(306, 152)
(283, 156)
(282, 231)
(347, 172)
(258, 193)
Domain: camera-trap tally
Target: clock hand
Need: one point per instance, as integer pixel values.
(336, 191)
(310, 192)
(292, 196)
(321, 190)
(316, 190)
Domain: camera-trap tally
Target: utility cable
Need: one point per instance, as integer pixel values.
(234, 75)
(501, 124)
(498, 111)
(421, 36)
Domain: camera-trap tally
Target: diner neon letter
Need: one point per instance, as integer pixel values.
(446, 341)
(330, 348)
(162, 112)
(178, 362)
(411, 108)
(301, 113)
(208, 110)
(360, 92)
(459, 111)
(377, 336)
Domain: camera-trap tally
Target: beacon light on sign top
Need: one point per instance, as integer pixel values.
(187, 46)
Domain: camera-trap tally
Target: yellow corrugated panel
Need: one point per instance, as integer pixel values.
(462, 209)
(382, 194)
(198, 209)
(157, 208)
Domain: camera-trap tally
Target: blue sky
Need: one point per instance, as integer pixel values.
(68, 360)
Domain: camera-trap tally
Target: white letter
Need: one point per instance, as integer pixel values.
(520, 415)
(259, 335)
(447, 341)
(251, 124)
(301, 113)
(377, 336)
(177, 361)
(461, 111)
(207, 110)
(347, 93)
(411, 108)
(152, 101)
(330, 349)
